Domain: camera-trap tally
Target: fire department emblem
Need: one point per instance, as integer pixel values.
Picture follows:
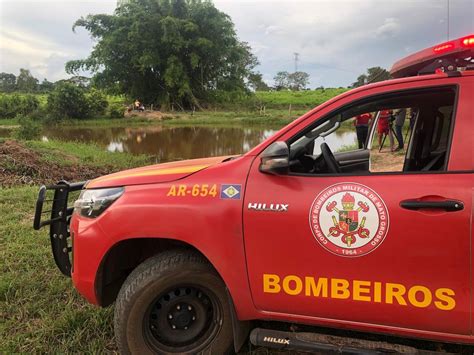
(349, 219)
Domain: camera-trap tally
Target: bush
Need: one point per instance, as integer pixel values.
(39, 114)
(29, 129)
(116, 110)
(13, 105)
(68, 101)
(97, 103)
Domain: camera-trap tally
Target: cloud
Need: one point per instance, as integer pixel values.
(21, 44)
(389, 28)
(337, 39)
(274, 30)
(41, 38)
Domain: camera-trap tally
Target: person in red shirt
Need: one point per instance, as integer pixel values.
(383, 127)
(361, 124)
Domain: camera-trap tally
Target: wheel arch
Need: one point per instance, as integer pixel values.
(124, 256)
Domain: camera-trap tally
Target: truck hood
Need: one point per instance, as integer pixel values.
(155, 173)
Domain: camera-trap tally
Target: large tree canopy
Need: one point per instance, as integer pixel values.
(166, 51)
(26, 82)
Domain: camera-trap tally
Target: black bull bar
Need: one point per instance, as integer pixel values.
(61, 213)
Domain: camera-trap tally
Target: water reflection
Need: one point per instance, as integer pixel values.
(176, 143)
(167, 143)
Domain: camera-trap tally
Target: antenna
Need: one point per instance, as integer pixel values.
(296, 60)
(447, 22)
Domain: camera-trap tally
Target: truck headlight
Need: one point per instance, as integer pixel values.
(91, 203)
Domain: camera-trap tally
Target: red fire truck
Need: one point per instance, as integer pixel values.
(298, 244)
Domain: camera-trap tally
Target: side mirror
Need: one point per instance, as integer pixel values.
(275, 159)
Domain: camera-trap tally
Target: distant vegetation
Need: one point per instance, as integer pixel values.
(12, 105)
(68, 101)
(296, 81)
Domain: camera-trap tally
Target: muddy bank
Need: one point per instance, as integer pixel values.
(20, 165)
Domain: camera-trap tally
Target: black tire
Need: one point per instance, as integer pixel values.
(174, 302)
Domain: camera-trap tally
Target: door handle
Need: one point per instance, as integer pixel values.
(447, 205)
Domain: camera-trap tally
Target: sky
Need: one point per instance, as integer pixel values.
(337, 40)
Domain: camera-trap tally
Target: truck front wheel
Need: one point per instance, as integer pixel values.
(174, 302)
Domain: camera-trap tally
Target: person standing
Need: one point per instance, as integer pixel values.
(399, 122)
(361, 124)
(383, 128)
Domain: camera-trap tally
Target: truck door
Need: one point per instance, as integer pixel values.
(358, 235)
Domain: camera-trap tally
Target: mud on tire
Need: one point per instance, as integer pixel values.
(174, 302)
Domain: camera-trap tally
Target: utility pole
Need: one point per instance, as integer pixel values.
(296, 61)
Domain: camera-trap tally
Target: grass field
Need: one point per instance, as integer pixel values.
(40, 311)
(298, 99)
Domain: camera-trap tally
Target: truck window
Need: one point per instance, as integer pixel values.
(396, 132)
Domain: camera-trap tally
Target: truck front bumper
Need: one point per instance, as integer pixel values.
(76, 257)
(56, 196)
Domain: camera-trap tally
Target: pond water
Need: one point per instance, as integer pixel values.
(167, 143)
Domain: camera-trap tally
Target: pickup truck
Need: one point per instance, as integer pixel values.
(298, 233)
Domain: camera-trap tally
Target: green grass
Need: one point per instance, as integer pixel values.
(6, 122)
(306, 99)
(272, 118)
(73, 153)
(40, 311)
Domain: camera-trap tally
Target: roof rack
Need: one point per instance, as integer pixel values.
(449, 57)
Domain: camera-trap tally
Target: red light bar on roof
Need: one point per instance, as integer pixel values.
(453, 50)
(467, 41)
(445, 47)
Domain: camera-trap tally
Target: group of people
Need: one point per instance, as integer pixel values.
(387, 119)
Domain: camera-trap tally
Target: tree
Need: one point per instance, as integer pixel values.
(298, 80)
(166, 51)
(372, 75)
(361, 80)
(375, 74)
(7, 82)
(294, 81)
(68, 101)
(46, 86)
(281, 80)
(256, 82)
(97, 102)
(26, 82)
